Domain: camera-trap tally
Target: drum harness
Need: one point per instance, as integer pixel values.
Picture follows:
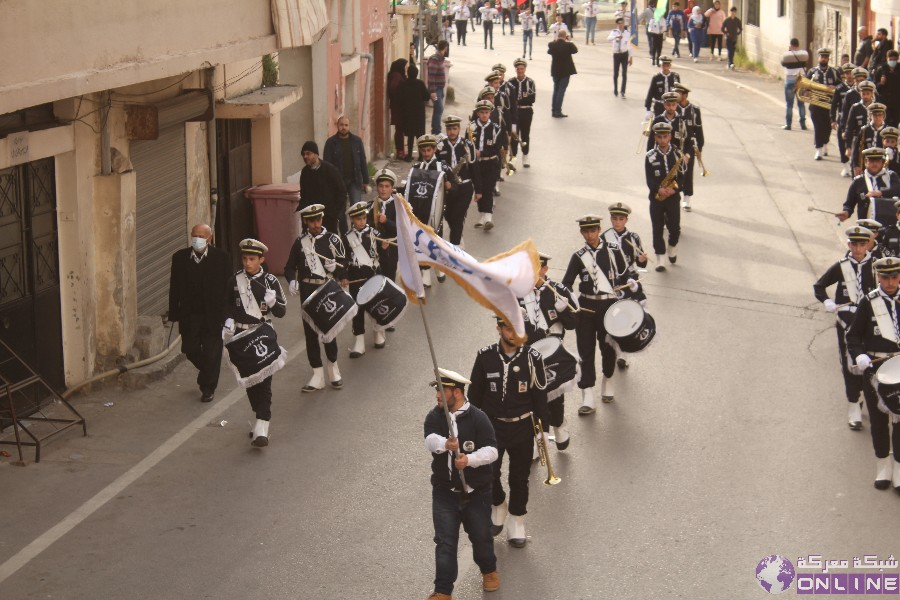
(532, 380)
(249, 301)
(889, 330)
(871, 185)
(361, 256)
(601, 284)
(320, 273)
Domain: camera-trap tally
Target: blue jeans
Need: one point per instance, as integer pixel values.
(789, 104)
(438, 112)
(354, 191)
(590, 25)
(527, 41)
(676, 37)
(559, 91)
(697, 40)
(475, 517)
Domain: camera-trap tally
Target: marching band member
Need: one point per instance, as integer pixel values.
(429, 161)
(875, 182)
(509, 116)
(874, 248)
(671, 114)
(869, 136)
(362, 265)
(850, 97)
(256, 297)
(488, 137)
(316, 256)
(662, 82)
(890, 236)
(508, 383)
(857, 117)
(598, 268)
(459, 153)
(385, 217)
(522, 90)
(661, 164)
(550, 309)
(821, 117)
(889, 137)
(474, 440)
(693, 141)
(854, 278)
(627, 243)
(837, 119)
(875, 333)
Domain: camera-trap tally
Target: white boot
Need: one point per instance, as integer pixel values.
(316, 382)
(562, 435)
(825, 150)
(660, 266)
(379, 337)
(359, 346)
(260, 434)
(334, 374)
(441, 276)
(498, 518)
(845, 172)
(686, 203)
(896, 476)
(854, 416)
(516, 532)
(884, 469)
(673, 253)
(818, 155)
(488, 221)
(426, 278)
(607, 392)
(587, 402)
(525, 161)
(480, 222)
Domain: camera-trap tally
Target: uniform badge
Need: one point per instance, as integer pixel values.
(516, 369)
(876, 331)
(493, 386)
(552, 314)
(469, 446)
(656, 173)
(523, 387)
(585, 277)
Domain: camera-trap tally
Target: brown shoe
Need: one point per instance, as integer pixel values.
(491, 581)
(437, 596)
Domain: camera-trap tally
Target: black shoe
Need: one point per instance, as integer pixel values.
(337, 384)
(622, 363)
(882, 484)
(496, 529)
(517, 543)
(616, 93)
(562, 116)
(356, 354)
(260, 442)
(392, 329)
(207, 397)
(563, 445)
(803, 126)
(660, 268)
(672, 259)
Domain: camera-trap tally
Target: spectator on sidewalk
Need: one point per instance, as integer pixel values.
(676, 24)
(697, 31)
(413, 95)
(562, 67)
(880, 48)
(395, 77)
(732, 29)
(794, 63)
(437, 82)
(716, 18)
(197, 287)
(864, 49)
(322, 183)
(346, 152)
(887, 81)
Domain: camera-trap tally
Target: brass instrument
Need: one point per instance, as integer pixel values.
(506, 164)
(552, 479)
(671, 180)
(861, 163)
(817, 94)
(699, 155)
(514, 137)
(644, 133)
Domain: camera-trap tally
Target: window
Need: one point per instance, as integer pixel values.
(753, 12)
(782, 7)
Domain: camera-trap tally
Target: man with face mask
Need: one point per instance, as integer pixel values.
(821, 117)
(197, 303)
(887, 80)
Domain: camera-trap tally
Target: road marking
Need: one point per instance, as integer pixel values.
(76, 517)
(740, 86)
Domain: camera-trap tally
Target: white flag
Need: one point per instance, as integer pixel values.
(497, 283)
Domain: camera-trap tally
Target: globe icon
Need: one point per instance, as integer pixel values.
(775, 574)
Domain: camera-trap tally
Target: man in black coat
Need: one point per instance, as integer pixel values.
(561, 68)
(197, 293)
(322, 183)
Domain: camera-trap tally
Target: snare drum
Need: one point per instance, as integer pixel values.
(560, 365)
(328, 310)
(383, 300)
(887, 382)
(254, 355)
(629, 325)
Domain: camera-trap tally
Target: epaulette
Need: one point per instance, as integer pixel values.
(873, 294)
(534, 353)
(580, 251)
(855, 177)
(486, 349)
(649, 152)
(238, 272)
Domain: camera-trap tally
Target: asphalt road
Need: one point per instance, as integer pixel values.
(727, 441)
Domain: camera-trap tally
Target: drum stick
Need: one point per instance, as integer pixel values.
(828, 212)
(358, 280)
(622, 287)
(639, 250)
(881, 358)
(560, 296)
(386, 241)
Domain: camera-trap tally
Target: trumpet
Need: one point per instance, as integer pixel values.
(700, 159)
(552, 479)
(644, 133)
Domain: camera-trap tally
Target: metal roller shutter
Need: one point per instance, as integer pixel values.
(161, 221)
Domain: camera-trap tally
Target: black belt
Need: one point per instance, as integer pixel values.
(528, 107)
(245, 326)
(314, 280)
(514, 419)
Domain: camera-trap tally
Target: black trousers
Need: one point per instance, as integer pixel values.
(665, 214)
(462, 26)
(202, 344)
(313, 353)
(489, 172)
(519, 467)
(526, 115)
(557, 409)
(853, 384)
(842, 145)
(715, 41)
(359, 320)
(589, 334)
(687, 182)
(620, 60)
(821, 119)
(488, 31)
(260, 396)
(456, 206)
(879, 423)
(656, 46)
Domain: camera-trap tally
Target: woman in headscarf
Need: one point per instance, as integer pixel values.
(413, 95)
(395, 77)
(697, 30)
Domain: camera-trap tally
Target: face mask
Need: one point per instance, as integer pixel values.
(892, 63)
(198, 244)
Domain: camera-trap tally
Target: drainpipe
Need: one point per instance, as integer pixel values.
(854, 23)
(213, 152)
(105, 152)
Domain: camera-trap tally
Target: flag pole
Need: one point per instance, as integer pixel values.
(437, 377)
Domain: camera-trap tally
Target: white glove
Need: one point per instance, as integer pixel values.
(228, 329)
(863, 362)
(270, 297)
(294, 287)
(330, 266)
(561, 303)
(830, 306)
(649, 115)
(515, 128)
(633, 286)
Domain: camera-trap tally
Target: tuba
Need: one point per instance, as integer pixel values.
(813, 93)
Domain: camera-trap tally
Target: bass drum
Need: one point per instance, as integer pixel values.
(887, 382)
(629, 325)
(383, 300)
(328, 310)
(560, 366)
(254, 355)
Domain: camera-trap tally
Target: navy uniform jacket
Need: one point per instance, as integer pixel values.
(388, 230)
(889, 241)
(659, 85)
(472, 425)
(837, 103)
(451, 154)
(509, 108)
(371, 245)
(856, 120)
(557, 321)
(679, 129)
(888, 183)
(610, 263)
(626, 242)
(657, 165)
(867, 137)
(693, 124)
(864, 337)
(829, 76)
(327, 244)
(259, 285)
(509, 387)
(523, 92)
(835, 275)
